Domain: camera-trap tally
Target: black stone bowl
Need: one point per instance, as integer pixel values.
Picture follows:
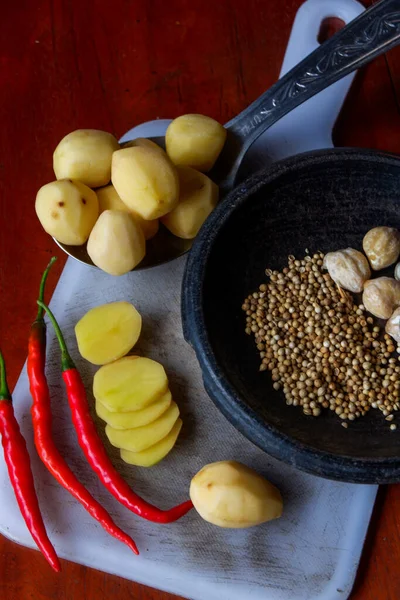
(324, 200)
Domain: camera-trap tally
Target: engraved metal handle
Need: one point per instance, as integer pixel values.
(372, 33)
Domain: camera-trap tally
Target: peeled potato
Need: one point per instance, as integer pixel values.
(67, 210)
(195, 141)
(140, 438)
(109, 200)
(107, 332)
(146, 181)
(130, 383)
(153, 455)
(137, 418)
(85, 154)
(143, 143)
(198, 196)
(149, 228)
(116, 243)
(229, 494)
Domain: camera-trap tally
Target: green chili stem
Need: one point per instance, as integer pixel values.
(42, 286)
(66, 360)
(4, 391)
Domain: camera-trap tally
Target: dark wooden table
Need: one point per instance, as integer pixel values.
(110, 65)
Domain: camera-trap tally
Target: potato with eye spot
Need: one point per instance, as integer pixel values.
(67, 210)
(229, 494)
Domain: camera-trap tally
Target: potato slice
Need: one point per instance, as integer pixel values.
(137, 418)
(140, 438)
(107, 332)
(153, 455)
(85, 154)
(195, 141)
(116, 243)
(67, 210)
(130, 383)
(109, 200)
(198, 196)
(146, 181)
(143, 143)
(229, 494)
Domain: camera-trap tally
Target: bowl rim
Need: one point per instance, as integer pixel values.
(221, 391)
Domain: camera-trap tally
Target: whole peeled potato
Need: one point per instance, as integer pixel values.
(195, 141)
(67, 210)
(229, 494)
(198, 196)
(110, 200)
(146, 181)
(116, 244)
(85, 154)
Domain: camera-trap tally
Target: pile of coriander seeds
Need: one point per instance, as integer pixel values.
(320, 346)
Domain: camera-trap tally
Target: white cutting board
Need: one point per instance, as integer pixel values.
(312, 552)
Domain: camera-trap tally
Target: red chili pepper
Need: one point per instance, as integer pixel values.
(92, 446)
(42, 426)
(20, 473)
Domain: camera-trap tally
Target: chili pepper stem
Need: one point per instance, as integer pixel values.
(40, 313)
(66, 360)
(4, 391)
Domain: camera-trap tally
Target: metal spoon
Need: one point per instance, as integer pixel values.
(374, 32)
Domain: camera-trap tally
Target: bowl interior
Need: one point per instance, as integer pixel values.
(319, 205)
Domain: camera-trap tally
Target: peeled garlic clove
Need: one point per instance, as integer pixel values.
(381, 296)
(348, 268)
(393, 325)
(382, 246)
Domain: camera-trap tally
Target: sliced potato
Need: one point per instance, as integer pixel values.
(140, 438)
(130, 383)
(198, 196)
(110, 200)
(153, 455)
(143, 143)
(195, 141)
(85, 154)
(67, 210)
(146, 181)
(229, 494)
(116, 243)
(107, 332)
(137, 418)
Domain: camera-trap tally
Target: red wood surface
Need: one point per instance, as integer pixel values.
(109, 65)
